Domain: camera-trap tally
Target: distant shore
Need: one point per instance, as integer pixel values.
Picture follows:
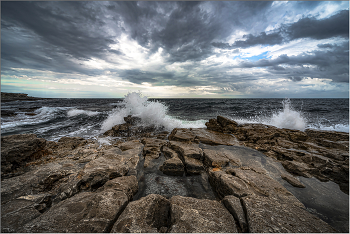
(8, 97)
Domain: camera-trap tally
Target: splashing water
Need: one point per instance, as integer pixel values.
(150, 112)
(287, 118)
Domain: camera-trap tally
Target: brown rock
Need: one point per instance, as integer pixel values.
(86, 211)
(193, 166)
(293, 181)
(173, 166)
(214, 158)
(265, 214)
(209, 137)
(233, 204)
(199, 215)
(182, 134)
(148, 214)
(186, 150)
(329, 135)
(17, 150)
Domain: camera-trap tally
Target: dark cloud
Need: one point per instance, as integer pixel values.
(336, 25)
(62, 36)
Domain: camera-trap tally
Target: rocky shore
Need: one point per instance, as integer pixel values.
(223, 178)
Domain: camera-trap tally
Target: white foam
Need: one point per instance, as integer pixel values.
(336, 127)
(75, 112)
(150, 112)
(287, 118)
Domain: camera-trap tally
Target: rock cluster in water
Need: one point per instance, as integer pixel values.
(147, 181)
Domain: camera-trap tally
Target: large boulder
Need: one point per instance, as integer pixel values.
(199, 215)
(148, 214)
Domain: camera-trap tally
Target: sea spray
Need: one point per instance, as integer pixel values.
(151, 113)
(75, 112)
(285, 118)
(288, 118)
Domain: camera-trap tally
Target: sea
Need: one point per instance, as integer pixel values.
(89, 118)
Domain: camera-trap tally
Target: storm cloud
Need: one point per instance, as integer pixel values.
(164, 48)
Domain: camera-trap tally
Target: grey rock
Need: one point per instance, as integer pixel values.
(233, 204)
(199, 215)
(148, 214)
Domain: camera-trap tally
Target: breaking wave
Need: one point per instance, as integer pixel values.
(150, 112)
(286, 118)
(75, 112)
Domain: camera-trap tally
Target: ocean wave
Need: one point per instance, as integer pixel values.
(150, 112)
(286, 118)
(75, 112)
(42, 115)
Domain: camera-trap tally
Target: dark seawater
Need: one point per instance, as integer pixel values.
(88, 118)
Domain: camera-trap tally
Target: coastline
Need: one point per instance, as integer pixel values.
(52, 176)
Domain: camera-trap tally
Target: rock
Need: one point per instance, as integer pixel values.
(233, 204)
(193, 166)
(182, 134)
(151, 150)
(225, 121)
(297, 168)
(213, 125)
(293, 181)
(21, 211)
(296, 135)
(209, 137)
(100, 170)
(186, 150)
(148, 214)
(265, 214)
(226, 184)
(173, 167)
(329, 135)
(199, 215)
(168, 153)
(17, 150)
(130, 145)
(72, 142)
(214, 158)
(332, 144)
(86, 211)
(132, 120)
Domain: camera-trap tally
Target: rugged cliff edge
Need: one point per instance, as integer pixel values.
(189, 180)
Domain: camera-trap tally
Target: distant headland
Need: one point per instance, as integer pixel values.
(8, 97)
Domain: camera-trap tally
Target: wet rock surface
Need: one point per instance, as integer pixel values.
(197, 180)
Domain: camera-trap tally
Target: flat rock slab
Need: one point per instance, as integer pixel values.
(269, 215)
(202, 135)
(199, 216)
(148, 214)
(190, 150)
(213, 158)
(86, 211)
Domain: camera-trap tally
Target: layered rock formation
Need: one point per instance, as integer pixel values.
(154, 183)
(320, 154)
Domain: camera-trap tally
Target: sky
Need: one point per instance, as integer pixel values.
(210, 49)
